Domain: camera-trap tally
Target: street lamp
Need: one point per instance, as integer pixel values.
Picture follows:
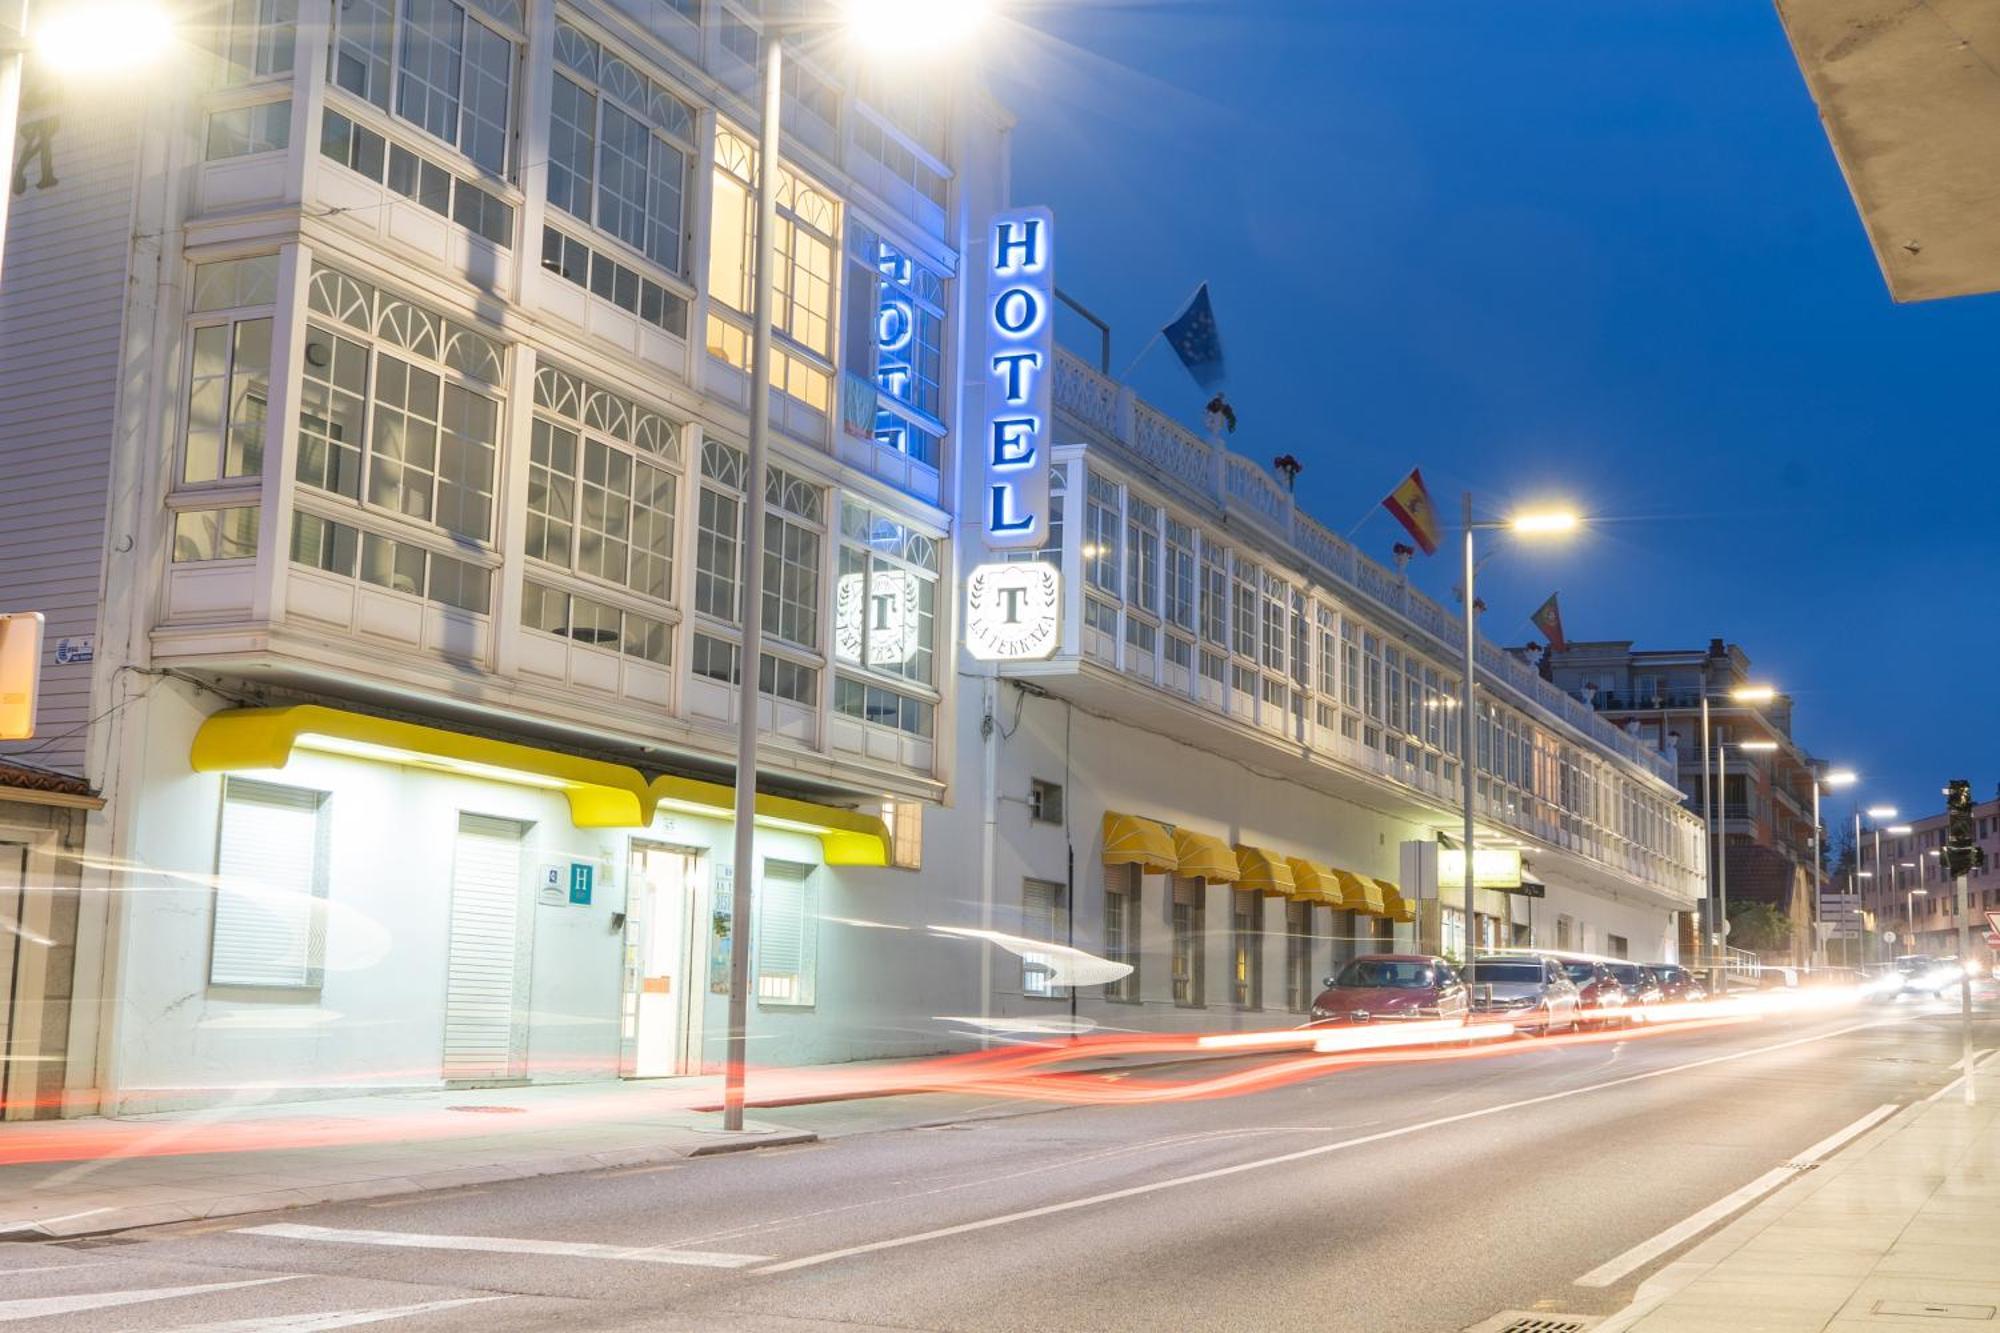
(1711, 808)
(1839, 777)
(92, 36)
(1910, 914)
(905, 25)
(1532, 524)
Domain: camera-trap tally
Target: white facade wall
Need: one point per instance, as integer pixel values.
(376, 1020)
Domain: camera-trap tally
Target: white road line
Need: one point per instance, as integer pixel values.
(44, 1307)
(1175, 1182)
(312, 1323)
(1612, 1270)
(503, 1245)
(1979, 1060)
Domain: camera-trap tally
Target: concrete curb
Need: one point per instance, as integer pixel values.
(106, 1221)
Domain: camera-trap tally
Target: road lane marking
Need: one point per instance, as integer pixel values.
(503, 1245)
(31, 1223)
(44, 1307)
(1303, 1154)
(1978, 1062)
(1612, 1270)
(313, 1322)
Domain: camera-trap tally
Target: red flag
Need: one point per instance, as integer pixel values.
(1549, 620)
(1411, 504)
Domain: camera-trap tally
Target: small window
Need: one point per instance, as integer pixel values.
(1045, 801)
(1045, 920)
(1618, 946)
(214, 534)
(905, 819)
(787, 931)
(270, 887)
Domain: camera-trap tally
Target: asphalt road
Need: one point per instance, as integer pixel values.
(1419, 1196)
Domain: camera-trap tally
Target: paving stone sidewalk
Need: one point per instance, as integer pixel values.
(1897, 1233)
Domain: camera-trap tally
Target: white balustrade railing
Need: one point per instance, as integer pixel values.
(1231, 481)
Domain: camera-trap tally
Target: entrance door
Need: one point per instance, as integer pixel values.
(664, 955)
(20, 993)
(485, 1019)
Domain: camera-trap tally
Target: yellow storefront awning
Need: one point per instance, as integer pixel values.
(600, 794)
(1205, 856)
(1400, 908)
(1264, 871)
(846, 837)
(1314, 882)
(1132, 841)
(1359, 893)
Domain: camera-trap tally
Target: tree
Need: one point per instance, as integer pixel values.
(1759, 927)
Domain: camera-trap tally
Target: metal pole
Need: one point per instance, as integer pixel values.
(1467, 760)
(1854, 873)
(1722, 846)
(1965, 988)
(1819, 885)
(751, 609)
(1710, 930)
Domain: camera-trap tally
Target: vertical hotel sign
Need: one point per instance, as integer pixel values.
(1020, 355)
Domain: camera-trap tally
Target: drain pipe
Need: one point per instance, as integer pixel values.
(989, 860)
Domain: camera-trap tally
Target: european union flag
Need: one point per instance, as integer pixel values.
(1196, 341)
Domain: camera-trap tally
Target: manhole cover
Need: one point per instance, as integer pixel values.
(1534, 1321)
(489, 1110)
(1932, 1310)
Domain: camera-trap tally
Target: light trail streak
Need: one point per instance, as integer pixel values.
(1042, 1070)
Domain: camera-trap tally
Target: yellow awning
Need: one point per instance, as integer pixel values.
(600, 794)
(1353, 897)
(1400, 908)
(1132, 841)
(846, 837)
(1314, 882)
(1264, 871)
(1374, 902)
(1205, 856)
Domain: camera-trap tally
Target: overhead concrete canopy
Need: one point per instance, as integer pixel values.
(1909, 93)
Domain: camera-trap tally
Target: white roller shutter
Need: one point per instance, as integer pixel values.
(270, 878)
(483, 1027)
(787, 930)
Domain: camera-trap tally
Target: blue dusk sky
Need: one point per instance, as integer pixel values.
(1578, 250)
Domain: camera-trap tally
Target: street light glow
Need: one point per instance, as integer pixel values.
(1548, 521)
(906, 26)
(103, 35)
(1841, 777)
(1756, 745)
(1881, 812)
(1753, 694)
(1864, 874)
(1899, 830)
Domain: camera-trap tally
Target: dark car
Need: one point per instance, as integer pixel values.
(1601, 994)
(1678, 985)
(1532, 992)
(1642, 987)
(1392, 986)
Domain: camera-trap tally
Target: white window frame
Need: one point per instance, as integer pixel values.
(247, 902)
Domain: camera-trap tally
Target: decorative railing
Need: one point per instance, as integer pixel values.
(1200, 464)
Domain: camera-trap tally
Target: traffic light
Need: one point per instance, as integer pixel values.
(1962, 853)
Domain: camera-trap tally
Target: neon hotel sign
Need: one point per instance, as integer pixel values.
(1020, 350)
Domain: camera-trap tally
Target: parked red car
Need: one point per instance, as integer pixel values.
(1391, 986)
(1603, 995)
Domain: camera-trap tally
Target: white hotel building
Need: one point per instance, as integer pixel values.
(372, 400)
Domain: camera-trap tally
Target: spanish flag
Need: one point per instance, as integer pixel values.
(1411, 504)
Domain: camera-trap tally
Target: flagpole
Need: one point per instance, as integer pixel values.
(1142, 355)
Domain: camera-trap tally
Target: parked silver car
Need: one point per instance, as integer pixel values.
(1532, 991)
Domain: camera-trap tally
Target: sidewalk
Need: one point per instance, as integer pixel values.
(1893, 1234)
(76, 1177)
(79, 1177)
